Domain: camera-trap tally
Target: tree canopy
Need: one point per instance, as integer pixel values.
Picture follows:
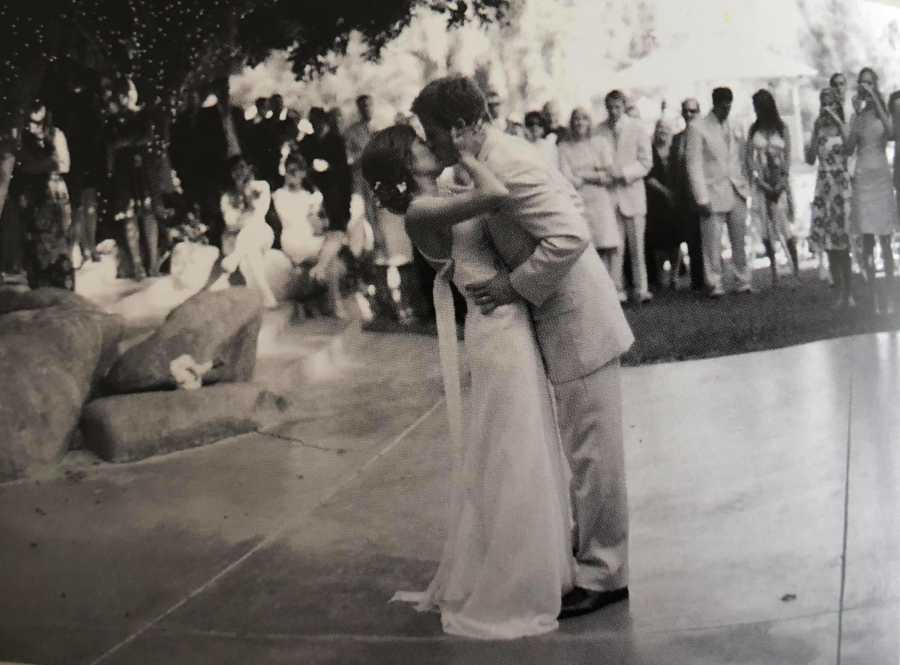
(165, 45)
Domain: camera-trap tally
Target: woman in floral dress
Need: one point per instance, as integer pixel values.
(831, 201)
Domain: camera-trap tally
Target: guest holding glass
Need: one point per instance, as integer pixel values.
(874, 209)
(587, 162)
(831, 200)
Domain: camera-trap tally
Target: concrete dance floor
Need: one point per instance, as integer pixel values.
(764, 492)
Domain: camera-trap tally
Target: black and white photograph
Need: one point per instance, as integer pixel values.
(449, 332)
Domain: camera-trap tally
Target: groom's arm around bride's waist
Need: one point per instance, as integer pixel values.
(540, 232)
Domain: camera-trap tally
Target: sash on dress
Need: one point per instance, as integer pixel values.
(448, 350)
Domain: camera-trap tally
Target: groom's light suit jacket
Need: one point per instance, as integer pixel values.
(542, 236)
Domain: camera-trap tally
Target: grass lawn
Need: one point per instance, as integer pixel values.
(680, 325)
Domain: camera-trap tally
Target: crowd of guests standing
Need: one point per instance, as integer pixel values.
(267, 177)
(93, 164)
(645, 195)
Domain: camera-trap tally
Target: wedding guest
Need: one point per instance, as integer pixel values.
(278, 131)
(587, 163)
(182, 152)
(536, 132)
(247, 236)
(550, 113)
(838, 82)
(299, 208)
(129, 178)
(494, 104)
(874, 209)
(663, 238)
(326, 153)
(685, 204)
(632, 161)
(768, 167)
(844, 106)
(80, 119)
(831, 200)
(357, 137)
(218, 136)
(894, 111)
(303, 222)
(40, 191)
(256, 135)
(719, 185)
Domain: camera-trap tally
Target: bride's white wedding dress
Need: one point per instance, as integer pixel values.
(508, 556)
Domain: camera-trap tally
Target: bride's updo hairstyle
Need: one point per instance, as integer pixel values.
(387, 167)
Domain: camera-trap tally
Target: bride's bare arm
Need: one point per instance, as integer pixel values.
(487, 194)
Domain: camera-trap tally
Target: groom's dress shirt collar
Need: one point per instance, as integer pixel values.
(491, 136)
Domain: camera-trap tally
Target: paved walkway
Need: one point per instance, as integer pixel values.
(764, 491)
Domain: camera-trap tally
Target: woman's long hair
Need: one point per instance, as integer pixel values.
(575, 112)
(767, 116)
(386, 167)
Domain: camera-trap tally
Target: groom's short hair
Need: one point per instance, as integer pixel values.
(451, 101)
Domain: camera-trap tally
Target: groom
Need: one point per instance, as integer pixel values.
(542, 236)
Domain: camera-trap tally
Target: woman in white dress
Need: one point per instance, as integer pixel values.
(507, 559)
(247, 236)
(301, 214)
(587, 163)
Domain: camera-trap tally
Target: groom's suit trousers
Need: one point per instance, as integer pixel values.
(590, 419)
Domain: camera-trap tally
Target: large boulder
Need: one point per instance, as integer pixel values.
(111, 326)
(131, 427)
(48, 360)
(221, 327)
(147, 308)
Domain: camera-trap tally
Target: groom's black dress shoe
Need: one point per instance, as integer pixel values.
(584, 601)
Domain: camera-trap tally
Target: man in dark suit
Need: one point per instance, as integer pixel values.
(684, 199)
(218, 135)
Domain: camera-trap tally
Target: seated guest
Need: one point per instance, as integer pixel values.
(247, 236)
(299, 208)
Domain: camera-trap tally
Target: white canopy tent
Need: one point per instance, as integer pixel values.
(696, 63)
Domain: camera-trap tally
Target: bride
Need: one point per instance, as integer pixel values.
(507, 559)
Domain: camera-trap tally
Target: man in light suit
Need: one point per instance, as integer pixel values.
(632, 160)
(715, 163)
(542, 236)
